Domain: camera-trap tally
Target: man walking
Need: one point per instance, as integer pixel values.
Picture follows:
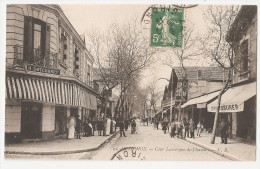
(122, 126)
(223, 131)
(186, 128)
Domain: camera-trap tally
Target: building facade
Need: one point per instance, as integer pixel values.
(187, 84)
(238, 103)
(48, 73)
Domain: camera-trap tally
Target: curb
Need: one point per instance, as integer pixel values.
(227, 155)
(64, 152)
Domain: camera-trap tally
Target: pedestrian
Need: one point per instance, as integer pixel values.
(179, 129)
(99, 126)
(78, 127)
(126, 124)
(71, 127)
(164, 126)
(133, 127)
(113, 126)
(186, 128)
(223, 131)
(121, 126)
(94, 125)
(108, 123)
(157, 123)
(85, 128)
(199, 128)
(191, 128)
(173, 128)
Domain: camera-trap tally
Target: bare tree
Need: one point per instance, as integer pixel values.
(120, 56)
(187, 53)
(219, 21)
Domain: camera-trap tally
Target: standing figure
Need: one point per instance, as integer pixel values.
(133, 127)
(108, 123)
(99, 126)
(78, 127)
(121, 126)
(186, 128)
(71, 127)
(164, 126)
(93, 122)
(191, 127)
(173, 128)
(126, 124)
(157, 123)
(180, 127)
(199, 128)
(223, 131)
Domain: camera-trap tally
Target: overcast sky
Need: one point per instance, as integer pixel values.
(85, 17)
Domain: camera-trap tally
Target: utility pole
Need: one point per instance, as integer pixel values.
(171, 97)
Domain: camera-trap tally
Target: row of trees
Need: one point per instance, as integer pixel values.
(121, 54)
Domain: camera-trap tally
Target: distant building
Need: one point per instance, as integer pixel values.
(187, 84)
(48, 73)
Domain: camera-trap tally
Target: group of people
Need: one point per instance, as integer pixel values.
(88, 127)
(123, 126)
(181, 129)
(186, 128)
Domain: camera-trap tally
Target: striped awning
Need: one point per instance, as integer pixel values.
(48, 90)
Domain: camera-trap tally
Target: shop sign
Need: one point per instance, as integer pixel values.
(43, 69)
(227, 108)
(201, 105)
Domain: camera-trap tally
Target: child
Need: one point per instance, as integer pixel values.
(199, 128)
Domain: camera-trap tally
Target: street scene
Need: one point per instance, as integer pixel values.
(131, 82)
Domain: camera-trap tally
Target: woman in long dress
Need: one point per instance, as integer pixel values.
(108, 126)
(71, 127)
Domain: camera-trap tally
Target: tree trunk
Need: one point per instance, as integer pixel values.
(217, 112)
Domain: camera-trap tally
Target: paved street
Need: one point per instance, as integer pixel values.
(147, 144)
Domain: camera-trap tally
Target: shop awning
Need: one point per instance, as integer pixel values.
(202, 100)
(48, 90)
(233, 99)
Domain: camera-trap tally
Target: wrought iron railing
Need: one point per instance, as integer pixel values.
(35, 57)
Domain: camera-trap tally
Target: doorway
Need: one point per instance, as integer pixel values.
(60, 120)
(31, 120)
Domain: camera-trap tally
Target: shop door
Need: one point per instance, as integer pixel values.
(60, 120)
(31, 120)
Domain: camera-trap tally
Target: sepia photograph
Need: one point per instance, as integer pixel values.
(129, 81)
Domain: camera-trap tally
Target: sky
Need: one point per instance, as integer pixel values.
(86, 17)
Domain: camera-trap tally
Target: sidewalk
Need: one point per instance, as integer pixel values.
(59, 146)
(233, 150)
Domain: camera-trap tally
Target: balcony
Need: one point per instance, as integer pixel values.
(38, 57)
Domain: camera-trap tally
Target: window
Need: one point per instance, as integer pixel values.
(244, 56)
(63, 45)
(35, 45)
(76, 60)
(88, 75)
(199, 74)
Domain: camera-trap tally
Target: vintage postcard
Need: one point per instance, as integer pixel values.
(130, 81)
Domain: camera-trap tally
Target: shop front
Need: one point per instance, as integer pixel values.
(38, 107)
(196, 109)
(238, 106)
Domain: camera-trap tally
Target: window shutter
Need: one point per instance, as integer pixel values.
(28, 39)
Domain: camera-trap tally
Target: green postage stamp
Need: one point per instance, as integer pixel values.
(167, 27)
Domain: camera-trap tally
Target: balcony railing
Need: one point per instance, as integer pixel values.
(37, 57)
